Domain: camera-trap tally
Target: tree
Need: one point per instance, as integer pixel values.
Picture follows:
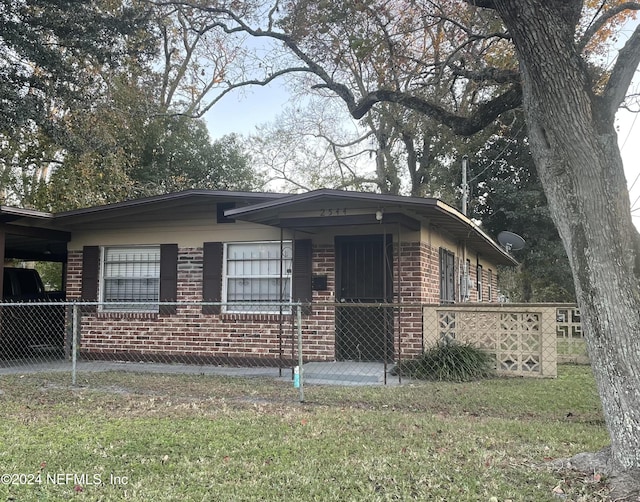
(310, 146)
(229, 167)
(369, 45)
(51, 50)
(138, 134)
(176, 153)
(569, 107)
(507, 195)
(570, 117)
(165, 154)
(54, 57)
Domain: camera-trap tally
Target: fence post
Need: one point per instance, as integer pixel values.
(75, 328)
(549, 342)
(300, 359)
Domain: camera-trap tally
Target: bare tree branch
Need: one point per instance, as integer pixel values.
(622, 74)
(484, 115)
(487, 75)
(247, 83)
(602, 20)
(465, 126)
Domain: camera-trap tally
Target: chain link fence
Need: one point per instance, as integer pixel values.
(33, 333)
(321, 343)
(571, 345)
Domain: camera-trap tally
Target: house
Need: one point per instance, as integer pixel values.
(209, 275)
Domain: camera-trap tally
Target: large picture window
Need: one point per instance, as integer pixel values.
(257, 273)
(131, 274)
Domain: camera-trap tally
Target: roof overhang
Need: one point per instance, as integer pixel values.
(325, 208)
(173, 205)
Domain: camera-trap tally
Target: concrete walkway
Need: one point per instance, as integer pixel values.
(348, 373)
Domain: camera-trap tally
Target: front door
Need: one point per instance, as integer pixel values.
(364, 274)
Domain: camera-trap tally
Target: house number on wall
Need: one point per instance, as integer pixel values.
(333, 212)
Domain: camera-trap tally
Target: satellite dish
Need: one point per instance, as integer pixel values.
(510, 241)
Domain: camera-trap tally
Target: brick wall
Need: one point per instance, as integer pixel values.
(189, 335)
(192, 336)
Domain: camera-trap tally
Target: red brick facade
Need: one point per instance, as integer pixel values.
(190, 335)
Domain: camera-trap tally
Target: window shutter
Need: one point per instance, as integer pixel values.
(168, 277)
(302, 265)
(447, 276)
(212, 276)
(443, 277)
(90, 275)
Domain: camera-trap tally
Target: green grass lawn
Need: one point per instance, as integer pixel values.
(190, 438)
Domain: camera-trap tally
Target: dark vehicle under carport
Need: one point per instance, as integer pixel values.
(32, 325)
(29, 328)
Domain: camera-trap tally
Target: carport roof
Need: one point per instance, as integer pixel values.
(32, 235)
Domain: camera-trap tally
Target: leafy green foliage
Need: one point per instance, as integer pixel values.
(51, 51)
(123, 156)
(55, 65)
(176, 153)
(119, 135)
(450, 362)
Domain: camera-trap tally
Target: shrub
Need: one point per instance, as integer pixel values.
(452, 362)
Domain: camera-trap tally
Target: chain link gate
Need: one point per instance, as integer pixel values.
(329, 343)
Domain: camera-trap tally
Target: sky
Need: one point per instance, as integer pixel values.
(241, 112)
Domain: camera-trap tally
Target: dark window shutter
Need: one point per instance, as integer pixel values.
(443, 276)
(302, 265)
(212, 276)
(447, 276)
(90, 275)
(168, 277)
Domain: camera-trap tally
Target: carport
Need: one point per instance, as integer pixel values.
(29, 235)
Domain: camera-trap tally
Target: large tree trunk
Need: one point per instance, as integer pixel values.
(574, 144)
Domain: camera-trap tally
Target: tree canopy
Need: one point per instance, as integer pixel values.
(103, 100)
(53, 52)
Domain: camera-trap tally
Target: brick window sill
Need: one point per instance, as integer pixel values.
(127, 315)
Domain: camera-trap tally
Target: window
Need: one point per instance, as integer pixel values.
(131, 274)
(257, 272)
(479, 281)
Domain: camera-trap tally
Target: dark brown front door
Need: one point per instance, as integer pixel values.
(364, 275)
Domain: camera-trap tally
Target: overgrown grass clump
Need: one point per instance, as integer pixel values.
(449, 362)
